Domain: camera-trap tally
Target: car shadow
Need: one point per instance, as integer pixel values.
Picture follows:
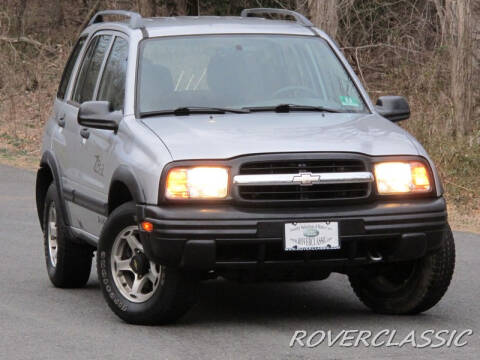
(223, 301)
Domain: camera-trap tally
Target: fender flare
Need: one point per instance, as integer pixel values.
(125, 175)
(48, 159)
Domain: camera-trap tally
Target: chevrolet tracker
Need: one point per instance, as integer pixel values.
(189, 148)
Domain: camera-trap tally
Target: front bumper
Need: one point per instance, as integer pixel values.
(227, 237)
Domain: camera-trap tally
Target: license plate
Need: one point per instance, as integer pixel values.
(311, 236)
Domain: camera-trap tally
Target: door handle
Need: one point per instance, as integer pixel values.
(85, 133)
(61, 120)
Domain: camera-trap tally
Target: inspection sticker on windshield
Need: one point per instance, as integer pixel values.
(349, 101)
(311, 236)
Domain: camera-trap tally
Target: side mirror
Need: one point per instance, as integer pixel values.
(98, 115)
(394, 108)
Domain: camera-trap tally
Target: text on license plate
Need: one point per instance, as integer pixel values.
(311, 236)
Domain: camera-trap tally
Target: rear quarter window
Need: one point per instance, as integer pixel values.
(112, 85)
(67, 72)
(92, 62)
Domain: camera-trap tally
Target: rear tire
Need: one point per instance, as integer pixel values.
(68, 263)
(407, 288)
(165, 294)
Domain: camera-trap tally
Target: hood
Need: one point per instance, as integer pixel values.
(225, 136)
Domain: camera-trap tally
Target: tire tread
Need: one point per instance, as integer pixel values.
(178, 292)
(438, 269)
(74, 260)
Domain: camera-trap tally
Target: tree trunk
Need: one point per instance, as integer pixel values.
(147, 8)
(476, 64)
(460, 27)
(153, 7)
(20, 7)
(323, 14)
(59, 13)
(177, 7)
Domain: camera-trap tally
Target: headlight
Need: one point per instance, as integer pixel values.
(402, 178)
(200, 182)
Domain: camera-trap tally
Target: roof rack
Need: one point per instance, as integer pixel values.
(299, 18)
(135, 18)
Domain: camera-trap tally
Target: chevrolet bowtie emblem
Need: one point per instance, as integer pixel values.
(305, 179)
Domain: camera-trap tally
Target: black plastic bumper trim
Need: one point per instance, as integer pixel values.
(191, 237)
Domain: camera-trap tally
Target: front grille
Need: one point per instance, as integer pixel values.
(297, 166)
(294, 192)
(297, 192)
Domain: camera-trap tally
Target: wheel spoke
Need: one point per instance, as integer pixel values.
(153, 269)
(151, 277)
(153, 274)
(133, 242)
(53, 230)
(138, 285)
(122, 265)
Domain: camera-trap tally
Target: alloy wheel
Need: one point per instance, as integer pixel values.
(52, 234)
(135, 276)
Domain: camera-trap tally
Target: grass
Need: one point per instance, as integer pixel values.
(20, 159)
(458, 163)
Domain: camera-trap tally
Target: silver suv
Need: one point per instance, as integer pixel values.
(186, 148)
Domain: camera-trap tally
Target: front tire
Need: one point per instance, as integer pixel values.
(407, 288)
(136, 289)
(68, 263)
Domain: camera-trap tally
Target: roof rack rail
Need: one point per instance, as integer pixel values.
(299, 18)
(135, 18)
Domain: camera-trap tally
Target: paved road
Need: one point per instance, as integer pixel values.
(231, 321)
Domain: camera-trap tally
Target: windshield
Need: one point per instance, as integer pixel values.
(242, 72)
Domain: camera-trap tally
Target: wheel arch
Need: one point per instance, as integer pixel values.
(49, 172)
(124, 187)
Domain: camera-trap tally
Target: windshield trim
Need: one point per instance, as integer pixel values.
(369, 109)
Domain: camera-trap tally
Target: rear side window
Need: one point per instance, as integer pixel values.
(112, 86)
(87, 78)
(67, 73)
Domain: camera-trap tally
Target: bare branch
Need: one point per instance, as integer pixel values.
(378, 45)
(26, 40)
(90, 13)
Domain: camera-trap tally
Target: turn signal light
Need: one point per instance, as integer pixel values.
(146, 226)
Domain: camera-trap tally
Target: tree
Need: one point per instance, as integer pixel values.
(457, 26)
(323, 14)
(20, 7)
(59, 13)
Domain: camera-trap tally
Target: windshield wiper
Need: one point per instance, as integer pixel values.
(285, 108)
(187, 110)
